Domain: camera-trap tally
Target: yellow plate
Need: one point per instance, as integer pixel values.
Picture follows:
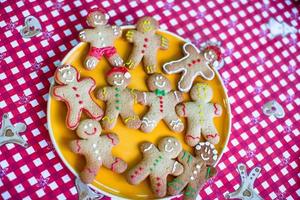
(107, 182)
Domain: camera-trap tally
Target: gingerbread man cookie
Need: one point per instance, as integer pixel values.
(193, 64)
(145, 44)
(200, 113)
(119, 99)
(162, 102)
(157, 163)
(101, 39)
(76, 94)
(197, 170)
(96, 149)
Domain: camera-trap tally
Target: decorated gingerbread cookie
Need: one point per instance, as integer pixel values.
(200, 113)
(96, 149)
(162, 102)
(145, 44)
(101, 39)
(193, 64)
(197, 170)
(76, 94)
(157, 163)
(119, 99)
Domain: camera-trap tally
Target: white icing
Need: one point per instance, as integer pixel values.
(204, 158)
(127, 75)
(119, 82)
(94, 146)
(176, 123)
(99, 158)
(150, 147)
(85, 126)
(174, 167)
(215, 157)
(97, 151)
(185, 70)
(169, 140)
(192, 178)
(215, 152)
(195, 172)
(198, 147)
(145, 97)
(198, 166)
(176, 96)
(147, 122)
(90, 124)
(207, 143)
(168, 149)
(160, 85)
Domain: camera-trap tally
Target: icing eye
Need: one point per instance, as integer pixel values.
(198, 147)
(64, 75)
(90, 124)
(115, 76)
(119, 75)
(85, 127)
(169, 140)
(68, 72)
(176, 143)
(157, 78)
(160, 77)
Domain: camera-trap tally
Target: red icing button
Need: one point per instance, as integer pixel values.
(146, 39)
(145, 45)
(77, 95)
(158, 184)
(80, 102)
(198, 60)
(74, 88)
(161, 110)
(194, 61)
(143, 51)
(189, 65)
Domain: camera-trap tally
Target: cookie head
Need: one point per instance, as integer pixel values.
(88, 128)
(97, 18)
(118, 76)
(170, 146)
(147, 24)
(206, 152)
(158, 82)
(212, 54)
(201, 92)
(66, 74)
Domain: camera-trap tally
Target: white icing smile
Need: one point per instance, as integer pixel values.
(204, 158)
(160, 85)
(168, 148)
(121, 82)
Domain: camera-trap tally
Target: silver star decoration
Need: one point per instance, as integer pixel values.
(280, 28)
(84, 192)
(246, 191)
(9, 133)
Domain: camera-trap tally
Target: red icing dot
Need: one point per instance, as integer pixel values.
(161, 105)
(77, 95)
(143, 51)
(189, 65)
(146, 39)
(80, 102)
(198, 60)
(74, 88)
(194, 61)
(136, 172)
(157, 190)
(157, 178)
(161, 110)
(145, 45)
(158, 184)
(132, 176)
(140, 168)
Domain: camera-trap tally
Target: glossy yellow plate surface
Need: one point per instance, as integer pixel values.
(106, 181)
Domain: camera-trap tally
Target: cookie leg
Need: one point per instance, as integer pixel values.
(150, 121)
(149, 61)
(93, 110)
(115, 60)
(130, 119)
(90, 171)
(73, 117)
(115, 164)
(134, 59)
(174, 123)
(210, 133)
(191, 191)
(192, 136)
(176, 185)
(186, 80)
(138, 173)
(110, 119)
(90, 62)
(159, 185)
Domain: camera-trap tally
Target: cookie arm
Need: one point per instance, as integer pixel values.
(102, 94)
(178, 96)
(162, 41)
(76, 146)
(111, 138)
(144, 98)
(138, 173)
(148, 148)
(57, 92)
(130, 35)
(217, 109)
(177, 168)
(117, 31)
(89, 83)
(84, 36)
(181, 110)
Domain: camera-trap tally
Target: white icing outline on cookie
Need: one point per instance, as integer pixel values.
(184, 70)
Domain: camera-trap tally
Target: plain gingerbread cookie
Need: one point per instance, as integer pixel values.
(197, 170)
(119, 99)
(193, 64)
(157, 163)
(145, 44)
(76, 94)
(101, 39)
(162, 102)
(96, 149)
(200, 113)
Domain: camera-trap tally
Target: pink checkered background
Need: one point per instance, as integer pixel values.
(257, 69)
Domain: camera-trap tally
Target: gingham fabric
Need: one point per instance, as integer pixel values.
(257, 69)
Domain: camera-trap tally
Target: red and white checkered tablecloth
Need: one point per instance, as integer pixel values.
(257, 69)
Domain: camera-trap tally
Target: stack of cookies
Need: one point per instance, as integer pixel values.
(160, 160)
